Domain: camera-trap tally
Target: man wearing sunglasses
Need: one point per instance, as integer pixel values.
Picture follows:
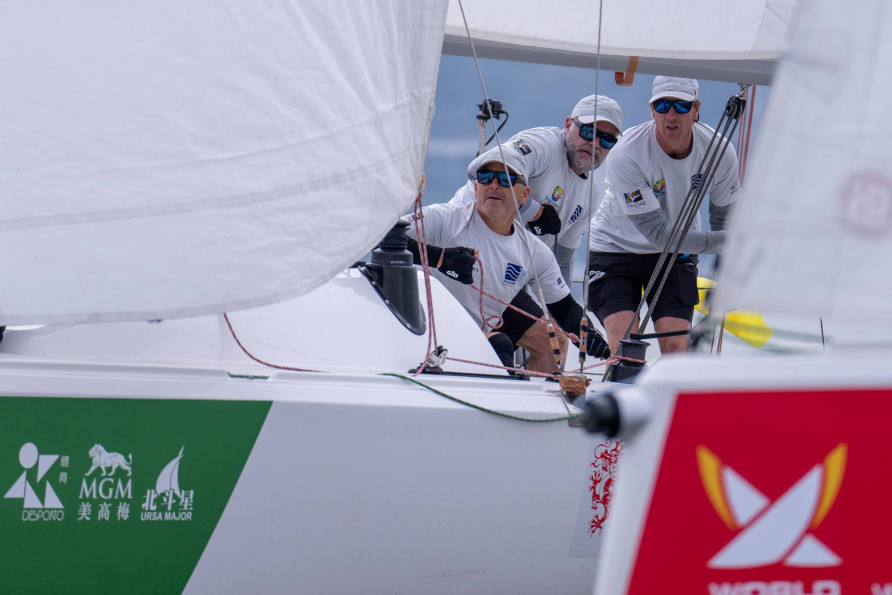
(648, 178)
(509, 259)
(560, 160)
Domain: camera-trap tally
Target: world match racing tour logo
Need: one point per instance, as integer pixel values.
(772, 532)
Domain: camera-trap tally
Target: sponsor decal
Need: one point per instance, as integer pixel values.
(769, 493)
(512, 273)
(559, 281)
(557, 194)
(596, 497)
(602, 483)
(660, 189)
(595, 275)
(128, 491)
(35, 508)
(865, 203)
(782, 531)
(522, 147)
(105, 496)
(634, 196)
(576, 213)
(167, 501)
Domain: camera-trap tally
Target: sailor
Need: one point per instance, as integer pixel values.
(648, 178)
(560, 162)
(506, 264)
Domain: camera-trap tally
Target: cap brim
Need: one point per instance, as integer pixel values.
(591, 119)
(673, 95)
(499, 166)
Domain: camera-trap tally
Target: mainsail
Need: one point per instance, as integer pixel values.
(814, 233)
(736, 41)
(164, 158)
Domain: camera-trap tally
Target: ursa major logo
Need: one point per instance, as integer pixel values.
(27, 486)
(772, 532)
(107, 494)
(557, 194)
(168, 501)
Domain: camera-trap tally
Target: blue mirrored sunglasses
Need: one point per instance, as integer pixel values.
(486, 176)
(588, 132)
(661, 106)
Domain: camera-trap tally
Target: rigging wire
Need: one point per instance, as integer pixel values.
(583, 324)
(519, 223)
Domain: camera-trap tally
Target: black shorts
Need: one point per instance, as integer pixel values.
(617, 280)
(515, 324)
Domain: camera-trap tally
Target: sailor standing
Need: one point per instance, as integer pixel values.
(648, 178)
(560, 162)
(455, 230)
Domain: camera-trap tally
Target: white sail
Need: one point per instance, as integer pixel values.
(169, 478)
(814, 233)
(737, 41)
(164, 158)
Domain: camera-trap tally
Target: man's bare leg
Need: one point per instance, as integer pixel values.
(536, 341)
(677, 344)
(616, 326)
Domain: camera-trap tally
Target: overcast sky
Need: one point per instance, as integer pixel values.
(533, 95)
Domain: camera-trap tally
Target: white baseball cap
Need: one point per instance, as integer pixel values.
(678, 88)
(515, 161)
(608, 111)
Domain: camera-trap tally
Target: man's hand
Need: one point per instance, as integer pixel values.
(546, 222)
(597, 346)
(458, 263)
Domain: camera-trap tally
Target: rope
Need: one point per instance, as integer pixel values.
(418, 220)
(486, 321)
(255, 358)
(480, 407)
(746, 129)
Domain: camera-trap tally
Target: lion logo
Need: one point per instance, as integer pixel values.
(102, 459)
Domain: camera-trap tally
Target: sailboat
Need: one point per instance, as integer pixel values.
(185, 188)
(775, 470)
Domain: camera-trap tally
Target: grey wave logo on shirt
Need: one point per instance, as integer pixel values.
(512, 273)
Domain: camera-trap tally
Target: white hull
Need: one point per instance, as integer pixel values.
(354, 482)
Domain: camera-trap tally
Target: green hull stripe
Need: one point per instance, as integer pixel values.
(115, 495)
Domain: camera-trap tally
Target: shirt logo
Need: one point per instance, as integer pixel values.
(634, 196)
(576, 213)
(512, 273)
(695, 181)
(557, 194)
(522, 147)
(772, 532)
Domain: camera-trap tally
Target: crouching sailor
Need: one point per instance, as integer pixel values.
(510, 258)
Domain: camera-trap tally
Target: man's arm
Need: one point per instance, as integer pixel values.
(568, 314)
(654, 227)
(456, 263)
(564, 257)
